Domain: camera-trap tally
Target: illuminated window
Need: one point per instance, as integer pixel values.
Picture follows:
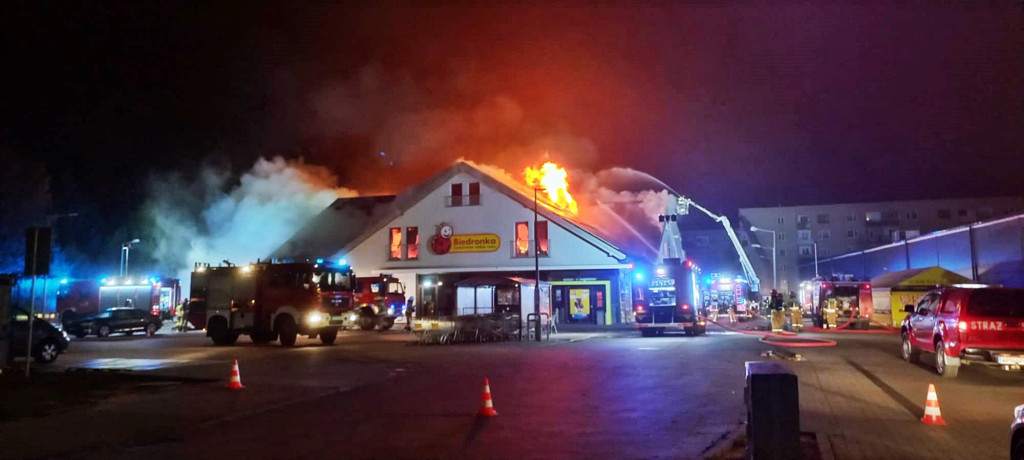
(542, 238)
(457, 194)
(474, 193)
(522, 246)
(396, 244)
(412, 238)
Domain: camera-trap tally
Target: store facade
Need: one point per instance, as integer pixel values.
(462, 224)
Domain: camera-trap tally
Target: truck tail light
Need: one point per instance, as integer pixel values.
(640, 308)
(685, 306)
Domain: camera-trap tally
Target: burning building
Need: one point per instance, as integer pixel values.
(465, 226)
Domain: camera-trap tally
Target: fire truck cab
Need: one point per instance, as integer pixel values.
(272, 301)
(669, 300)
(381, 300)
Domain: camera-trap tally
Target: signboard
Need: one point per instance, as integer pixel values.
(579, 303)
(445, 241)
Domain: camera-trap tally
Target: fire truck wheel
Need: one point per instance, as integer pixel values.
(328, 337)
(218, 328)
(366, 323)
(386, 323)
(286, 330)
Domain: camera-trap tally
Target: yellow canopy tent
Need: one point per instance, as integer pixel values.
(891, 291)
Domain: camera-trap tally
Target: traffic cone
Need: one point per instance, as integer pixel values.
(486, 405)
(235, 382)
(932, 414)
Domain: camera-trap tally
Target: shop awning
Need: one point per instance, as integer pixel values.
(919, 277)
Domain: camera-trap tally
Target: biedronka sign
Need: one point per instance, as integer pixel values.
(446, 241)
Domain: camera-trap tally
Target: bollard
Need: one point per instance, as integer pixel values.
(773, 412)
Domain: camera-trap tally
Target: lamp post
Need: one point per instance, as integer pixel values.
(815, 258)
(125, 248)
(536, 267)
(775, 285)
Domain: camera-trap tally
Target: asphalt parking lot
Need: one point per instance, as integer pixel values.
(601, 393)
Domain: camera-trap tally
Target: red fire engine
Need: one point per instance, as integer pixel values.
(272, 301)
(850, 297)
(669, 300)
(380, 299)
(159, 296)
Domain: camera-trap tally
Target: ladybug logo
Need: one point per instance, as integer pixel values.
(441, 242)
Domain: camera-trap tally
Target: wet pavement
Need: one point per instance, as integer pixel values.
(601, 393)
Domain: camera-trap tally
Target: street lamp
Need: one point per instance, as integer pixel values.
(815, 243)
(536, 266)
(125, 247)
(774, 272)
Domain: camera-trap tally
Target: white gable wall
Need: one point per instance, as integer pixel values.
(497, 213)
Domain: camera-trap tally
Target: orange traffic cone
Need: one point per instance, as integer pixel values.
(486, 406)
(932, 414)
(235, 383)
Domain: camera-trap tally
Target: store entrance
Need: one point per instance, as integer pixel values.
(580, 304)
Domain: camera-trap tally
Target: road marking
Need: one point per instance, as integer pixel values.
(132, 364)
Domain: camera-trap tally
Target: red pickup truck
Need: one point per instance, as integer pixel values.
(967, 326)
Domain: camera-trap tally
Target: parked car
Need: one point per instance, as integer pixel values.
(963, 326)
(127, 320)
(47, 340)
(1017, 434)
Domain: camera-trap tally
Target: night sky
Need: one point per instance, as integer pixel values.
(747, 105)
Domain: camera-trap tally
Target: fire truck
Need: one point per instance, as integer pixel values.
(159, 296)
(726, 292)
(381, 301)
(852, 298)
(670, 299)
(272, 301)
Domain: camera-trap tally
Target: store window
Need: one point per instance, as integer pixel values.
(396, 244)
(456, 197)
(474, 193)
(542, 238)
(522, 246)
(412, 238)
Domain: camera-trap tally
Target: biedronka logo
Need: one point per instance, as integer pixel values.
(445, 241)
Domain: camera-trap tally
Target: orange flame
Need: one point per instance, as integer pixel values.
(554, 180)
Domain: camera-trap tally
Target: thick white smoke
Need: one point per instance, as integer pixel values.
(211, 219)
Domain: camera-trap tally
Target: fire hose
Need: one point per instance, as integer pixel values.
(782, 339)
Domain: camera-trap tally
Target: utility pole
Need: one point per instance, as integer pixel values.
(536, 268)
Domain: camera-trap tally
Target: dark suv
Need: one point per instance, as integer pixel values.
(967, 326)
(127, 320)
(47, 340)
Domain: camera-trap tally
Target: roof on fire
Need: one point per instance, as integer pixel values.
(353, 220)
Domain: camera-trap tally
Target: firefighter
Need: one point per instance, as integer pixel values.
(409, 307)
(831, 313)
(796, 319)
(778, 316)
